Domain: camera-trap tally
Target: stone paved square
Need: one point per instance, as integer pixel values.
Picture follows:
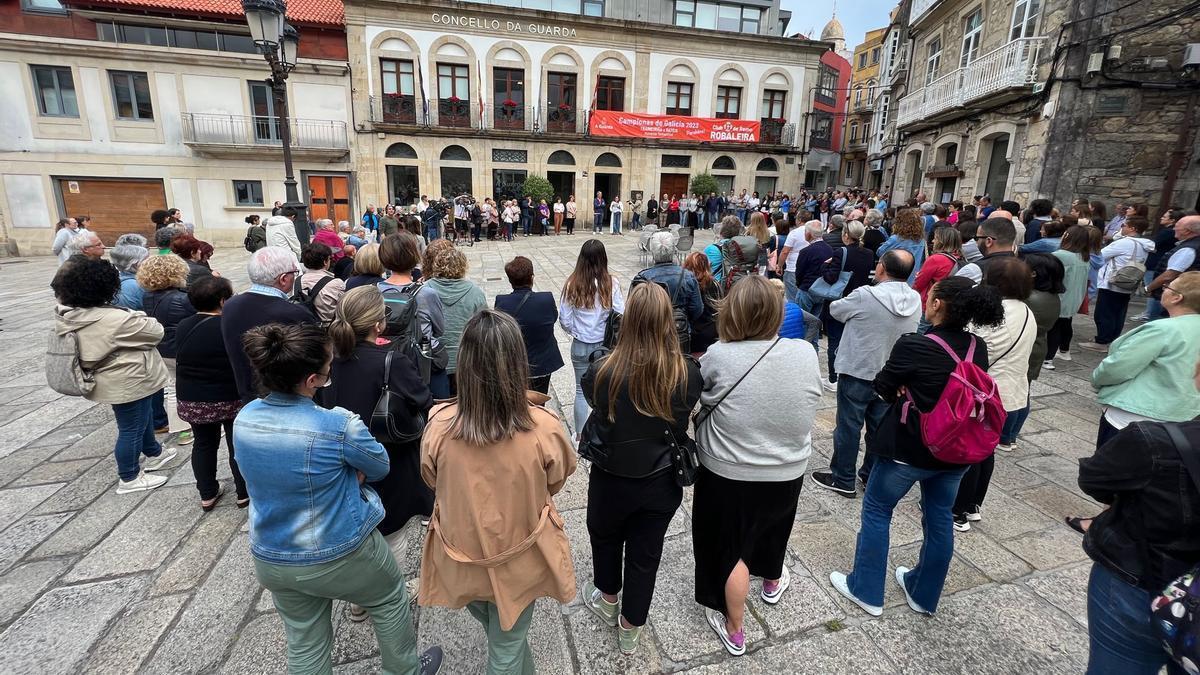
(91, 581)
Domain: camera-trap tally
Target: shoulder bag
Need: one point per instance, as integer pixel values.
(392, 421)
(834, 291)
(706, 411)
(1024, 325)
(1130, 275)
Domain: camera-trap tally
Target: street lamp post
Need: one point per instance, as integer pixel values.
(279, 42)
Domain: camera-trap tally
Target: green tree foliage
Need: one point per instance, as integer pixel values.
(704, 183)
(537, 187)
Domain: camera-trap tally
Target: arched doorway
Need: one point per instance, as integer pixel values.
(607, 182)
(912, 165)
(995, 149)
(404, 185)
(562, 176)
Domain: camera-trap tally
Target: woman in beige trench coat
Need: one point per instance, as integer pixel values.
(494, 458)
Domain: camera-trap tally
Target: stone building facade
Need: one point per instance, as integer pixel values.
(114, 115)
(864, 87)
(478, 98)
(977, 109)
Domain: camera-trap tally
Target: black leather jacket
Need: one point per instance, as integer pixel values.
(169, 306)
(1150, 533)
(636, 445)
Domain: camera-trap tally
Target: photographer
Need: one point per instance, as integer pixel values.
(431, 219)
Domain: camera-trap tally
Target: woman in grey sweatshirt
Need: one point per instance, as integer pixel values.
(753, 455)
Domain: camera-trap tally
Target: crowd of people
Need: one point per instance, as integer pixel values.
(366, 386)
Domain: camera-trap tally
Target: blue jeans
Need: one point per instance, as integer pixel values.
(741, 214)
(526, 224)
(1013, 423)
(580, 351)
(1109, 315)
(790, 289)
(616, 223)
(856, 403)
(1121, 637)
(598, 222)
(135, 435)
(890, 481)
(713, 219)
(637, 221)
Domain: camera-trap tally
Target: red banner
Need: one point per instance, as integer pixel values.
(673, 127)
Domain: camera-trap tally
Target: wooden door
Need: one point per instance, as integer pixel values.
(329, 197)
(116, 206)
(673, 184)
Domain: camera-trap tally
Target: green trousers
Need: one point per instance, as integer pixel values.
(508, 651)
(368, 577)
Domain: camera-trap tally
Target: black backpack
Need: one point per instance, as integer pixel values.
(403, 325)
(683, 327)
(309, 299)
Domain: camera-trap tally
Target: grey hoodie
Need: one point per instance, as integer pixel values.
(460, 300)
(875, 317)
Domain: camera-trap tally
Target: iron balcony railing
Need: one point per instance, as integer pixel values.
(262, 130)
(1011, 66)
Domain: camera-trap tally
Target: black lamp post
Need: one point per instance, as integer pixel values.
(279, 42)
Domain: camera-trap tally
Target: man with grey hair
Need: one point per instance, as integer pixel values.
(680, 284)
(86, 243)
(358, 237)
(126, 257)
(834, 236)
(132, 238)
(272, 271)
(163, 237)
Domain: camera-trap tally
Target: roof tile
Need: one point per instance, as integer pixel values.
(305, 12)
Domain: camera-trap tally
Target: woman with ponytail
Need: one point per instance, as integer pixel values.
(358, 378)
(313, 523)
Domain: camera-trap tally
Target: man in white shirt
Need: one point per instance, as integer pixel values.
(795, 242)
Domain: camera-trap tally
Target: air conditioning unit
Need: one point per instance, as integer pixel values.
(1191, 55)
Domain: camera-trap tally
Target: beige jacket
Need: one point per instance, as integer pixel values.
(329, 297)
(125, 342)
(495, 534)
(1010, 370)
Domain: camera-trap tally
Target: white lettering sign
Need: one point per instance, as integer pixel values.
(484, 23)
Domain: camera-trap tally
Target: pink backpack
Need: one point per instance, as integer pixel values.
(964, 426)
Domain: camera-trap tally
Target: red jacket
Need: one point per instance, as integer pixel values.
(333, 241)
(937, 267)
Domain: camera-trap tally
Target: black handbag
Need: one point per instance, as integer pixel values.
(685, 459)
(392, 421)
(612, 329)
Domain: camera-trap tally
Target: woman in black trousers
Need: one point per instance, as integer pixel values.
(207, 390)
(642, 395)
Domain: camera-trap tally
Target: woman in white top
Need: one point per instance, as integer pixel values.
(64, 231)
(560, 211)
(1128, 248)
(615, 208)
(511, 215)
(572, 212)
(1009, 346)
(588, 297)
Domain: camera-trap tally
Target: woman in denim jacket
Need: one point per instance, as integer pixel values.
(312, 521)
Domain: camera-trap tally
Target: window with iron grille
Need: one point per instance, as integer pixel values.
(509, 155)
(676, 161)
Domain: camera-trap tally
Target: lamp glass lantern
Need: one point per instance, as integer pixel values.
(265, 19)
(289, 46)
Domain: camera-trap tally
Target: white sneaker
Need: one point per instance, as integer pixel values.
(975, 516)
(912, 604)
(838, 580)
(156, 463)
(142, 482)
(1048, 364)
(1063, 356)
(772, 598)
(829, 386)
(1006, 447)
(734, 644)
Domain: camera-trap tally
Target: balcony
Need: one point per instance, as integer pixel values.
(776, 132)
(1010, 68)
(403, 112)
(249, 135)
(453, 112)
(399, 108)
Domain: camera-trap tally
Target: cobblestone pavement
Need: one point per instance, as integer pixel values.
(95, 582)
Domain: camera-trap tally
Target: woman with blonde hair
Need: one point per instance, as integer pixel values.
(753, 458)
(460, 300)
(164, 278)
(589, 295)
(495, 457)
(758, 230)
(359, 373)
(368, 270)
(642, 396)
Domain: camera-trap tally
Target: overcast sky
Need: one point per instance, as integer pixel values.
(857, 17)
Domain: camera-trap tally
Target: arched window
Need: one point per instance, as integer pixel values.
(768, 164)
(561, 157)
(608, 159)
(724, 163)
(401, 151)
(455, 153)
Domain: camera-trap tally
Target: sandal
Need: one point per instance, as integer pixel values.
(1076, 523)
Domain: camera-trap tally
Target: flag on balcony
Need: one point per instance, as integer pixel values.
(424, 97)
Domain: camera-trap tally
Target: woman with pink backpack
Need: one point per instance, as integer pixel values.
(937, 425)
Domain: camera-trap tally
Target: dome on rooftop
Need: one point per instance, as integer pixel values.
(833, 31)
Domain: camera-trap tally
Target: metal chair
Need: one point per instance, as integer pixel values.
(683, 245)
